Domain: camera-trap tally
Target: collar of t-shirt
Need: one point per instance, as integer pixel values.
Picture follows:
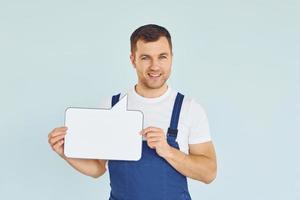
(151, 100)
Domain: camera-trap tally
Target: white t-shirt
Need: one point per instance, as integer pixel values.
(193, 124)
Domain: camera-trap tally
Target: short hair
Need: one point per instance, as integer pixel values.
(149, 33)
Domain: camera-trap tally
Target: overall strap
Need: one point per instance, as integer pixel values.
(172, 130)
(115, 99)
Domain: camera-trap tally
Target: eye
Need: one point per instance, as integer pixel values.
(163, 57)
(144, 58)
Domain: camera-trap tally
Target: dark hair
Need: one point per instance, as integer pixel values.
(149, 33)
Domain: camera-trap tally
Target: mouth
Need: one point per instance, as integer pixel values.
(154, 75)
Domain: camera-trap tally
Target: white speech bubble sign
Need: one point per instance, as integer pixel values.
(110, 134)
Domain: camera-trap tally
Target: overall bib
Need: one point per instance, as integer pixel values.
(151, 177)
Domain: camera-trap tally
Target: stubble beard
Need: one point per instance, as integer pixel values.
(148, 85)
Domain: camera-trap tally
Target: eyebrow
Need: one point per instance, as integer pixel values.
(162, 54)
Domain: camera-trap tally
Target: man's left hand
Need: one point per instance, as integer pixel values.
(156, 139)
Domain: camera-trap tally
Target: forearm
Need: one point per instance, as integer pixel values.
(89, 167)
(198, 167)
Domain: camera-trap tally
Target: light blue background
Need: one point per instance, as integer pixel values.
(240, 59)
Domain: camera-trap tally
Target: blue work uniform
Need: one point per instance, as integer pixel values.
(151, 177)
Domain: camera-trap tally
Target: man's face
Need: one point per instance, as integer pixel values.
(152, 61)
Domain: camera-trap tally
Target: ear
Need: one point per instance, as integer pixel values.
(132, 59)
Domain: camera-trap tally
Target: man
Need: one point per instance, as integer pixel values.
(176, 140)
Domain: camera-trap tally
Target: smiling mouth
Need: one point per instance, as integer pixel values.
(154, 75)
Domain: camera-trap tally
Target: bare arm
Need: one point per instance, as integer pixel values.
(89, 167)
(200, 164)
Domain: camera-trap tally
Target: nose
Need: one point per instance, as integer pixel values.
(155, 64)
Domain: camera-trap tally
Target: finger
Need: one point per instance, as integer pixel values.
(150, 128)
(153, 134)
(154, 139)
(58, 144)
(53, 140)
(58, 132)
(59, 129)
(152, 145)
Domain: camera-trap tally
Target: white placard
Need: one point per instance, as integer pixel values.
(110, 134)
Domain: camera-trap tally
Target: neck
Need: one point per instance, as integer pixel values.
(149, 92)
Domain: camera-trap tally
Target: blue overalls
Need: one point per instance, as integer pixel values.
(151, 177)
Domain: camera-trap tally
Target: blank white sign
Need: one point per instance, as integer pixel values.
(110, 134)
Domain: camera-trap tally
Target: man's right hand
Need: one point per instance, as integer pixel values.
(89, 167)
(56, 139)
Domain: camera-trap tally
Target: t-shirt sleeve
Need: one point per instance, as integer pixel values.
(199, 131)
